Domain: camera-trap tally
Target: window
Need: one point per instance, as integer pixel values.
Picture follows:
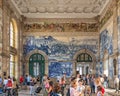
(12, 35)
(84, 57)
(13, 48)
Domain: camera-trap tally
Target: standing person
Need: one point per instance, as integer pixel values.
(56, 90)
(62, 83)
(99, 91)
(64, 76)
(97, 82)
(28, 80)
(87, 91)
(73, 88)
(45, 87)
(77, 78)
(21, 80)
(5, 81)
(116, 84)
(87, 80)
(9, 86)
(14, 87)
(92, 84)
(105, 81)
(81, 87)
(1, 83)
(32, 91)
(50, 88)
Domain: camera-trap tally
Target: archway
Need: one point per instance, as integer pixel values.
(37, 63)
(85, 62)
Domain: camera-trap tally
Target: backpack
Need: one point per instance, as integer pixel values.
(9, 84)
(68, 92)
(38, 89)
(103, 90)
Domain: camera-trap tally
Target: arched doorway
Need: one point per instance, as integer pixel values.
(36, 65)
(84, 61)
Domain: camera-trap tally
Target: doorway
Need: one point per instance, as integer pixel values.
(83, 68)
(36, 65)
(83, 63)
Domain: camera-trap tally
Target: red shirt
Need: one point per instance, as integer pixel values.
(21, 79)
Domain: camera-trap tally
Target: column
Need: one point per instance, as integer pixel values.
(115, 34)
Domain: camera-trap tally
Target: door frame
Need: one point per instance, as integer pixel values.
(34, 52)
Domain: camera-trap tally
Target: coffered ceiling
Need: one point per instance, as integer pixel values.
(60, 8)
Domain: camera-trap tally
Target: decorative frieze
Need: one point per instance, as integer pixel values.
(61, 27)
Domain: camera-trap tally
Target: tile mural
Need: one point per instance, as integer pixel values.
(111, 68)
(58, 68)
(58, 50)
(119, 34)
(119, 66)
(106, 43)
(118, 45)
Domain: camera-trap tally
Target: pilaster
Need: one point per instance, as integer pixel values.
(115, 30)
(1, 37)
(5, 38)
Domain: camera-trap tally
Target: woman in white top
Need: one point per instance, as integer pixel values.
(81, 87)
(73, 88)
(5, 81)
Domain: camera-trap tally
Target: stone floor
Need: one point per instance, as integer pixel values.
(108, 92)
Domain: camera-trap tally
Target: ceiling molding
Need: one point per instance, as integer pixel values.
(60, 8)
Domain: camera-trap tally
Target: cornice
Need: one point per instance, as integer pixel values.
(109, 6)
(10, 6)
(63, 34)
(61, 20)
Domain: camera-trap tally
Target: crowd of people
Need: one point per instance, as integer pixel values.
(9, 86)
(79, 85)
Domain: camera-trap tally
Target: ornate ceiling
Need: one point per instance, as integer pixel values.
(60, 8)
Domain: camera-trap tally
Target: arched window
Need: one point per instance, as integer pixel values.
(84, 57)
(13, 47)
